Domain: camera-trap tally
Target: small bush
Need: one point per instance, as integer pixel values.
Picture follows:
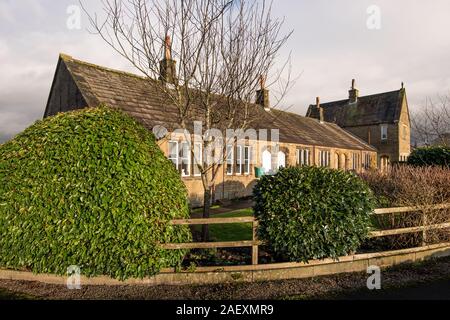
(430, 156)
(313, 213)
(89, 188)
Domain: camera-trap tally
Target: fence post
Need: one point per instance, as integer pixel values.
(255, 253)
(425, 224)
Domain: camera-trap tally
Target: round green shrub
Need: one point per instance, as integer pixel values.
(313, 213)
(89, 188)
(430, 156)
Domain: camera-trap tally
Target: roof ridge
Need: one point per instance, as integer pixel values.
(66, 57)
(361, 97)
(275, 113)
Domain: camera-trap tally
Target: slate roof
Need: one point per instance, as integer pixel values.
(382, 108)
(138, 97)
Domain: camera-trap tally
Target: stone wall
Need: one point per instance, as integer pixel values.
(228, 187)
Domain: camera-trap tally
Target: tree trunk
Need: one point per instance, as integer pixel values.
(206, 214)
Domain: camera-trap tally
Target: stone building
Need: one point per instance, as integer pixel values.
(382, 120)
(302, 140)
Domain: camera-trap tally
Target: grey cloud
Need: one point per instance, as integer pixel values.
(331, 45)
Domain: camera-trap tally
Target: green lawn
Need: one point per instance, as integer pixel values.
(231, 232)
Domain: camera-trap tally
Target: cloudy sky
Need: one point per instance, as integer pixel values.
(331, 44)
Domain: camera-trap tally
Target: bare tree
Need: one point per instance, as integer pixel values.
(431, 125)
(222, 48)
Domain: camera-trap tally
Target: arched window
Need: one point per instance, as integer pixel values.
(337, 161)
(281, 160)
(267, 161)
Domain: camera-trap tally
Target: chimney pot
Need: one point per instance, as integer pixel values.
(168, 47)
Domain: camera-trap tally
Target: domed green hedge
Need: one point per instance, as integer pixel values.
(313, 213)
(430, 156)
(89, 188)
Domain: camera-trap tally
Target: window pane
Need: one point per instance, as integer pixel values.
(185, 156)
(230, 160)
(384, 133)
(239, 160)
(173, 153)
(247, 160)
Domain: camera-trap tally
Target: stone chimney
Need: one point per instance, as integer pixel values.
(316, 111)
(262, 95)
(353, 93)
(168, 66)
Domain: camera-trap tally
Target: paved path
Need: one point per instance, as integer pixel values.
(439, 290)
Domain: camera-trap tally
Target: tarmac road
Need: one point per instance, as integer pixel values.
(439, 290)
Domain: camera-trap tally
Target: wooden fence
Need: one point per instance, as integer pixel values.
(255, 243)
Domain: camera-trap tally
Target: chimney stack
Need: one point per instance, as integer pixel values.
(353, 93)
(316, 111)
(262, 95)
(168, 66)
(319, 110)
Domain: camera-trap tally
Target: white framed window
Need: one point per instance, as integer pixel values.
(230, 159)
(324, 158)
(247, 160)
(367, 161)
(198, 159)
(303, 157)
(239, 160)
(384, 132)
(173, 153)
(306, 157)
(185, 159)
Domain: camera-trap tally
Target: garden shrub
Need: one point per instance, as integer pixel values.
(410, 186)
(430, 156)
(313, 213)
(89, 188)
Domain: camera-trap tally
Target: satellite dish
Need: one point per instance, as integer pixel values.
(160, 132)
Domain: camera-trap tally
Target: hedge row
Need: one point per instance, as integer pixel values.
(89, 188)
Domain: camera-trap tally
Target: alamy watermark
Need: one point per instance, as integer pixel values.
(74, 278)
(73, 21)
(374, 18)
(216, 143)
(374, 281)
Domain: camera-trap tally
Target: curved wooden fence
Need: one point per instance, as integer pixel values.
(274, 271)
(255, 243)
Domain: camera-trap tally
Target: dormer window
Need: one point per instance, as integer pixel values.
(384, 132)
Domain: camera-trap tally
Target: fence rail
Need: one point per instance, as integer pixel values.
(255, 243)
